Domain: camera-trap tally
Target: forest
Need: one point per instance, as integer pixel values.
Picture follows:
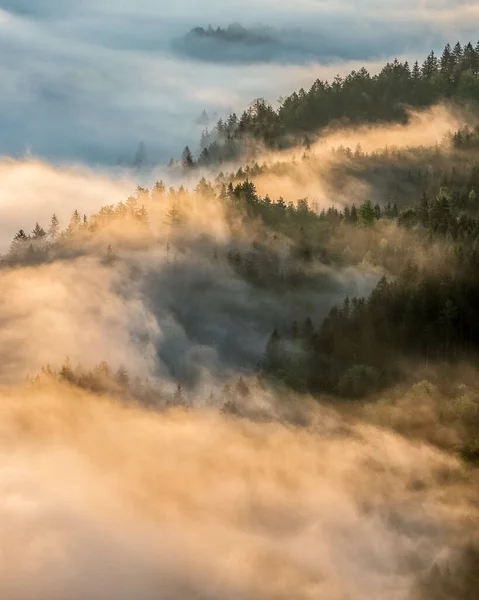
(256, 44)
(358, 98)
(232, 33)
(421, 248)
(269, 351)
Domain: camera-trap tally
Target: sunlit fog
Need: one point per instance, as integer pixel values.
(239, 309)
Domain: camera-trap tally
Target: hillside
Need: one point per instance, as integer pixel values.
(358, 98)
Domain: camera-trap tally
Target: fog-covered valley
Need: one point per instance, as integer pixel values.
(250, 371)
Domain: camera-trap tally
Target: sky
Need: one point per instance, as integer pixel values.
(86, 82)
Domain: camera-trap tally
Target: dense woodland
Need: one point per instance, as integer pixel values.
(234, 33)
(425, 306)
(357, 98)
(423, 312)
(236, 44)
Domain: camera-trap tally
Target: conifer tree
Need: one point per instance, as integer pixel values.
(187, 159)
(54, 227)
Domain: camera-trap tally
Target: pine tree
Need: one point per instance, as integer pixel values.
(54, 227)
(204, 189)
(75, 220)
(178, 398)
(204, 158)
(470, 59)
(354, 214)
(132, 206)
(416, 72)
(19, 244)
(121, 210)
(187, 159)
(366, 214)
(142, 194)
(158, 191)
(457, 54)
(223, 195)
(430, 66)
(173, 217)
(142, 216)
(241, 389)
(203, 119)
(38, 233)
(447, 61)
(66, 371)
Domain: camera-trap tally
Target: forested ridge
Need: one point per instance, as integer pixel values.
(415, 231)
(357, 98)
(429, 248)
(233, 33)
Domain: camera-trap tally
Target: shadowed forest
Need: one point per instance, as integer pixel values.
(259, 44)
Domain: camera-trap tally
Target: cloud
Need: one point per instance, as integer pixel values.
(32, 191)
(99, 500)
(73, 309)
(88, 82)
(288, 175)
(102, 500)
(185, 316)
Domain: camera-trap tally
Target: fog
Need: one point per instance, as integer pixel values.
(33, 190)
(171, 307)
(146, 452)
(102, 501)
(177, 314)
(291, 174)
(88, 82)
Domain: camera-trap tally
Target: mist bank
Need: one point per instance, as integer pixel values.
(100, 500)
(191, 284)
(217, 405)
(33, 190)
(103, 79)
(236, 44)
(399, 91)
(155, 276)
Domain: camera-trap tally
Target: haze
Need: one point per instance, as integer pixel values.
(250, 373)
(88, 81)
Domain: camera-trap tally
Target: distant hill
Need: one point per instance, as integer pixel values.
(234, 34)
(238, 44)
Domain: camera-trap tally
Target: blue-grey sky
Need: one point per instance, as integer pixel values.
(87, 81)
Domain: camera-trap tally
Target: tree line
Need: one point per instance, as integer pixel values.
(359, 97)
